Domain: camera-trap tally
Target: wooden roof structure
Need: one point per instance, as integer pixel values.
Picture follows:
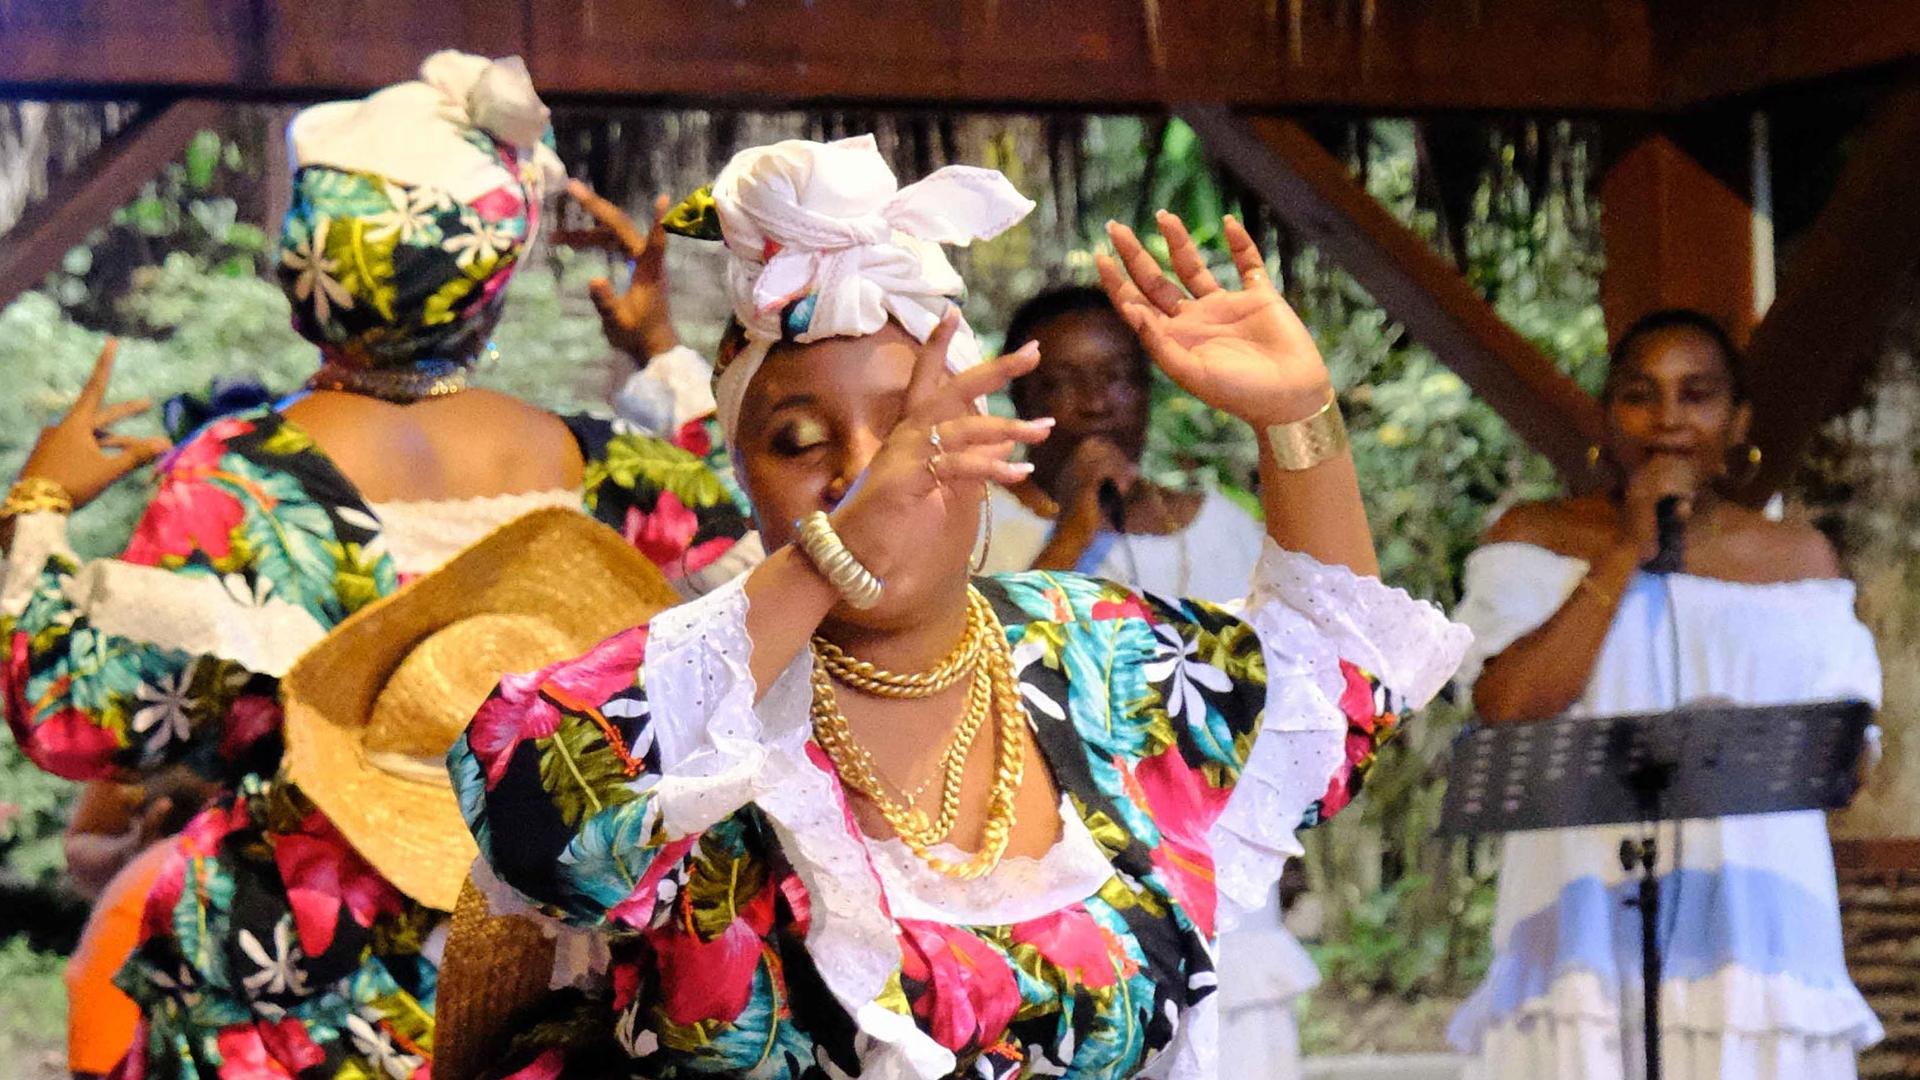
(1679, 80)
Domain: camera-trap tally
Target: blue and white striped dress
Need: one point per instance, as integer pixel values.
(1755, 985)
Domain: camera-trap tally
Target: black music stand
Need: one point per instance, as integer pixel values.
(1699, 761)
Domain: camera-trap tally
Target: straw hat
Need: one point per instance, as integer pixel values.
(372, 710)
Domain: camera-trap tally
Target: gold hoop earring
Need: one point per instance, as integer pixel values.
(1753, 457)
(986, 536)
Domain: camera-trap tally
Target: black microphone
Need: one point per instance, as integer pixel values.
(1113, 505)
(1671, 530)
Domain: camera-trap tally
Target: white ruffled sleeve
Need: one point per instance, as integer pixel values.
(1316, 622)
(1510, 590)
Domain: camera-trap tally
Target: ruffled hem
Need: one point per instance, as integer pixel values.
(1734, 1001)
(1410, 645)
(1310, 616)
(37, 537)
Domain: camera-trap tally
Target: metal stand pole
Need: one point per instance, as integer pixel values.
(1644, 857)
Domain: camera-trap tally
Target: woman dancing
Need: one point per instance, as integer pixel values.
(862, 814)
(271, 945)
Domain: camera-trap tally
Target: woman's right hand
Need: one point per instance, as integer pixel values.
(80, 453)
(907, 504)
(1661, 476)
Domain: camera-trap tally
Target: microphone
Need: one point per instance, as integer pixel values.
(1113, 505)
(1672, 533)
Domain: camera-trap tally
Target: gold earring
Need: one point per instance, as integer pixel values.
(1754, 457)
(1593, 457)
(986, 537)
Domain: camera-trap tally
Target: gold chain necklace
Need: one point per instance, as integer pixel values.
(994, 692)
(879, 682)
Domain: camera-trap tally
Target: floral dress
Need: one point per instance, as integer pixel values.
(745, 927)
(269, 947)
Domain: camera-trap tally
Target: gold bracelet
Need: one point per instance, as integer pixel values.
(1302, 444)
(815, 536)
(36, 494)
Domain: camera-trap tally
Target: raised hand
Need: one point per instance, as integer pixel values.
(1242, 351)
(914, 492)
(80, 452)
(638, 321)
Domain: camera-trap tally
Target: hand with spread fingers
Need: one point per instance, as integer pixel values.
(931, 473)
(1242, 351)
(638, 321)
(81, 453)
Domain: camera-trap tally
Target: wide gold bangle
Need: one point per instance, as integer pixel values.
(35, 494)
(1302, 444)
(822, 547)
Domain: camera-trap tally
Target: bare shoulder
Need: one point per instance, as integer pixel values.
(1790, 551)
(1565, 526)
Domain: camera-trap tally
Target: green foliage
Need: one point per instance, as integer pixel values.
(33, 811)
(35, 1017)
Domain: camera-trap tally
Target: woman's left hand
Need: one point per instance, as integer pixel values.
(81, 453)
(1244, 352)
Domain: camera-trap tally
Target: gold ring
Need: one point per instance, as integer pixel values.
(934, 471)
(933, 436)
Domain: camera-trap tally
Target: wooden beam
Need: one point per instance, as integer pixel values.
(1314, 193)
(1713, 49)
(80, 201)
(1679, 226)
(1811, 356)
(1517, 55)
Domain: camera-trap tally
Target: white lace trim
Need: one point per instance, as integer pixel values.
(423, 535)
(719, 752)
(198, 614)
(37, 537)
(1732, 1001)
(1015, 891)
(1310, 616)
(674, 388)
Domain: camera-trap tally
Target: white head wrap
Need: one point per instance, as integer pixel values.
(416, 132)
(828, 225)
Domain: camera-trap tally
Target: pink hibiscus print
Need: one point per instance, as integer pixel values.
(703, 980)
(201, 838)
(70, 745)
(190, 512)
(1367, 728)
(1072, 941)
(501, 204)
(1132, 607)
(968, 994)
(694, 438)
(250, 718)
(520, 709)
(13, 684)
(323, 874)
(1183, 806)
(261, 1051)
(545, 1067)
(666, 536)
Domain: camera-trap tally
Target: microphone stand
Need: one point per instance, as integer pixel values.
(1650, 783)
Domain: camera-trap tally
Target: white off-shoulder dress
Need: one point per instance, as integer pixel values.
(1755, 985)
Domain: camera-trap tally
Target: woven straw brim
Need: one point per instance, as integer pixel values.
(559, 565)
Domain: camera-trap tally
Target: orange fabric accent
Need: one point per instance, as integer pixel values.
(101, 1019)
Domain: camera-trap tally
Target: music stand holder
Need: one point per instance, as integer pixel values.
(1702, 760)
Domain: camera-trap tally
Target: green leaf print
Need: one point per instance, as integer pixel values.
(363, 263)
(632, 459)
(581, 771)
(288, 536)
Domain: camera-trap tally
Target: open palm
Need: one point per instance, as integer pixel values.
(1243, 351)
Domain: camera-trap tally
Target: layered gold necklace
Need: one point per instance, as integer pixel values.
(983, 658)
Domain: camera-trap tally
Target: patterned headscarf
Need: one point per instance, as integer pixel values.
(411, 209)
(823, 242)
